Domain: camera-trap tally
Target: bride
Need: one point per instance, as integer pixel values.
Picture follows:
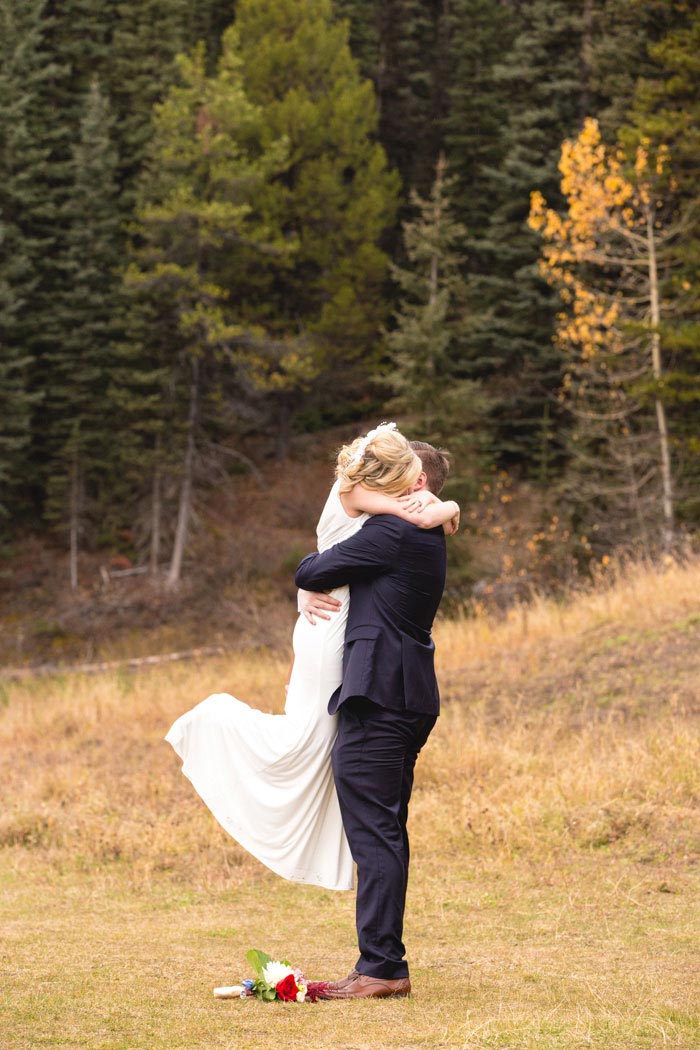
(267, 778)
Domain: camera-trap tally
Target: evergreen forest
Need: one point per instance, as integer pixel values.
(226, 224)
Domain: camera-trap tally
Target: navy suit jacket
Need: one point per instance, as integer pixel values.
(396, 573)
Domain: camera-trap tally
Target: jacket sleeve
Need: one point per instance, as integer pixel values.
(372, 551)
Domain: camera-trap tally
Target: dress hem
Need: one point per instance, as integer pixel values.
(296, 875)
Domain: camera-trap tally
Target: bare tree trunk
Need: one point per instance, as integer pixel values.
(666, 478)
(156, 505)
(185, 503)
(433, 284)
(544, 447)
(635, 500)
(283, 432)
(433, 278)
(74, 519)
(437, 217)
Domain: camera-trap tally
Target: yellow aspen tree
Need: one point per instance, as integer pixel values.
(604, 255)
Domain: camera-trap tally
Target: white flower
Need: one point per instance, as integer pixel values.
(369, 438)
(274, 972)
(301, 994)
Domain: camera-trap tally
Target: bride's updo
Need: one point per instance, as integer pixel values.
(382, 459)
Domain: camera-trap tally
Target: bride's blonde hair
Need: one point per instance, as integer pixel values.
(382, 459)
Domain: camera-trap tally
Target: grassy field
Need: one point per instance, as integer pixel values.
(554, 900)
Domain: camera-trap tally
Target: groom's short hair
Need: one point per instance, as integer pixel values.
(436, 464)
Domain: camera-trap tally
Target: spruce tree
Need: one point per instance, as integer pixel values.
(23, 74)
(81, 40)
(147, 36)
(621, 33)
(80, 430)
(479, 33)
(665, 117)
(666, 106)
(74, 41)
(441, 405)
(364, 18)
(195, 226)
(409, 87)
(401, 46)
(512, 345)
(207, 22)
(143, 402)
(259, 218)
(16, 401)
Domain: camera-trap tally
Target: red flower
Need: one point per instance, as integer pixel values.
(287, 988)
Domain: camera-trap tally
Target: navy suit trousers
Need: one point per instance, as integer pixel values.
(373, 761)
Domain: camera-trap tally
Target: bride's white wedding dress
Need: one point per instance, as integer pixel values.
(267, 778)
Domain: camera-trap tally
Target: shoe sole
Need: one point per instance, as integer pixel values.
(388, 995)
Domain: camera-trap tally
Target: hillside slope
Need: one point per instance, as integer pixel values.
(628, 646)
(249, 533)
(237, 588)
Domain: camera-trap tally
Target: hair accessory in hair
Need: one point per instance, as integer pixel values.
(369, 438)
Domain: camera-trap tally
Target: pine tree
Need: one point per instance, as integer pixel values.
(78, 366)
(511, 347)
(621, 33)
(81, 40)
(441, 405)
(259, 220)
(147, 36)
(73, 41)
(479, 33)
(364, 18)
(409, 82)
(401, 46)
(16, 399)
(335, 196)
(666, 106)
(142, 399)
(207, 22)
(195, 222)
(23, 73)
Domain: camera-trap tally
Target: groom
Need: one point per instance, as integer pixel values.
(387, 705)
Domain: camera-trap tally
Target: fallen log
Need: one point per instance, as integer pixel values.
(18, 673)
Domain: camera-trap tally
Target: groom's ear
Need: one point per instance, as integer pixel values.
(422, 482)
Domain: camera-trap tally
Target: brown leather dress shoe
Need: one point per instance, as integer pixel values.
(344, 980)
(364, 987)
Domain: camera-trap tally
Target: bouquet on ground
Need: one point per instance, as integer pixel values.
(274, 979)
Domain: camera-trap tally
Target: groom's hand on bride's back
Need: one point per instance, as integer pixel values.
(316, 604)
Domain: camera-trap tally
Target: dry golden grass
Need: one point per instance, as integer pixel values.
(554, 895)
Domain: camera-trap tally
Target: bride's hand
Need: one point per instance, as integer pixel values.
(316, 603)
(452, 525)
(417, 501)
